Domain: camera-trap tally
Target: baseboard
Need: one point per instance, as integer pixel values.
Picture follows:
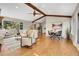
(75, 45)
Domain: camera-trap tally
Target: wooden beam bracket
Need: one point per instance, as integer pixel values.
(38, 19)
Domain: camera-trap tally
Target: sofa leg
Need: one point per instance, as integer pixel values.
(28, 46)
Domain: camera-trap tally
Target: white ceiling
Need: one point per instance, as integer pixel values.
(20, 10)
(17, 10)
(57, 8)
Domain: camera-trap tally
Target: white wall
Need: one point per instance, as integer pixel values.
(64, 21)
(43, 23)
(44, 27)
(74, 27)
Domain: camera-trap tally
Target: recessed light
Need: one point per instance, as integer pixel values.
(17, 7)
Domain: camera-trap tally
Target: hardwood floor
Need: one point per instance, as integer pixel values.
(46, 47)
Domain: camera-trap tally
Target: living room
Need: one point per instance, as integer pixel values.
(26, 27)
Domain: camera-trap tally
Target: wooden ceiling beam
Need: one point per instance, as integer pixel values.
(35, 8)
(60, 16)
(52, 16)
(38, 19)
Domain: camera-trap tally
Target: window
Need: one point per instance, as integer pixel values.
(21, 26)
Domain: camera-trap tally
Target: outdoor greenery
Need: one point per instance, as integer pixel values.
(13, 25)
(9, 25)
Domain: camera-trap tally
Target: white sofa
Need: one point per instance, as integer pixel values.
(28, 39)
(2, 35)
(10, 43)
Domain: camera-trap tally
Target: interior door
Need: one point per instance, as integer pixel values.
(40, 29)
(78, 31)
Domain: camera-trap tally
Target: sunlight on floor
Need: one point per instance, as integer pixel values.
(35, 54)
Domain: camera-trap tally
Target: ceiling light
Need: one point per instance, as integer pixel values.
(17, 7)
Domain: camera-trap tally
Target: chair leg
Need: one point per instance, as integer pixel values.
(59, 38)
(0, 47)
(51, 37)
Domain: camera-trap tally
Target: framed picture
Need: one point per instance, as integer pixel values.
(57, 27)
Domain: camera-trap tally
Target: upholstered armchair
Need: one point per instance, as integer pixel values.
(29, 38)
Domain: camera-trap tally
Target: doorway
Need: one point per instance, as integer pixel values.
(40, 29)
(78, 30)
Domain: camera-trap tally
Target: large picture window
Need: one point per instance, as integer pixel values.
(13, 25)
(9, 25)
(21, 26)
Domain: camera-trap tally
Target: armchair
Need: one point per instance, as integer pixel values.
(28, 39)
